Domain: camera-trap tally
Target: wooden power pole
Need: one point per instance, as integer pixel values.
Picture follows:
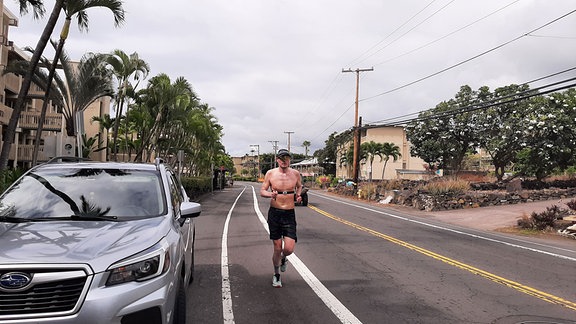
(356, 148)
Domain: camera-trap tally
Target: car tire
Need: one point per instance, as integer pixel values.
(305, 200)
(180, 306)
(192, 262)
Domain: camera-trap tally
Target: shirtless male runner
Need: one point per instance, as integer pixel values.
(281, 184)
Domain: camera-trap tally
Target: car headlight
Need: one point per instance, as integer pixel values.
(139, 270)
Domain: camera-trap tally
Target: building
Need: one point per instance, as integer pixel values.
(53, 134)
(246, 165)
(308, 167)
(406, 167)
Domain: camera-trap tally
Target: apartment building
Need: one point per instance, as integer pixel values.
(53, 134)
(405, 167)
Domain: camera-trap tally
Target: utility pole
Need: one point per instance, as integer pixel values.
(275, 148)
(289, 140)
(258, 156)
(356, 127)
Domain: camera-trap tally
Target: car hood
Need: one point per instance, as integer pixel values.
(96, 243)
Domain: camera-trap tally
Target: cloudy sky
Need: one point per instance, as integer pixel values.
(273, 69)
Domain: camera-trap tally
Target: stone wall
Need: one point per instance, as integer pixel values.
(473, 199)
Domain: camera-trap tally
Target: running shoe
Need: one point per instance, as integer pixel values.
(276, 282)
(283, 264)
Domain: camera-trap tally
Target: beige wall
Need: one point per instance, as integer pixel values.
(98, 108)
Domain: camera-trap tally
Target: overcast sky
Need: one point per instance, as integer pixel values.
(268, 67)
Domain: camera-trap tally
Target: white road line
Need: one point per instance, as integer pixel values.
(325, 295)
(227, 310)
(452, 230)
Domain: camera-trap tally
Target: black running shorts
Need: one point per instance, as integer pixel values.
(282, 223)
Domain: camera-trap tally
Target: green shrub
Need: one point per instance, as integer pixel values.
(544, 220)
(196, 186)
(7, 177)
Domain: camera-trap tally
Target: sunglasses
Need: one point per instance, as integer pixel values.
(284, 158)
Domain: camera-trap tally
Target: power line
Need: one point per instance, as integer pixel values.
(359, 60)
(467, 60)
(495, 102)
(391, 120)
(447, 35)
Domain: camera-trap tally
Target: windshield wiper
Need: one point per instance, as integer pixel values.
(12, 219)
(76, 218)
(94, 217)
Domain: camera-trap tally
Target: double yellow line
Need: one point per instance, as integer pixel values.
(503, 281)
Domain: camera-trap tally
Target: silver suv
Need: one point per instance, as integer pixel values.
(95, 242)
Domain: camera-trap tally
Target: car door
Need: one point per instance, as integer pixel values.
(186, 225)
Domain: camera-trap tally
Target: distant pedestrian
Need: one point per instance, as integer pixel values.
(281, 184)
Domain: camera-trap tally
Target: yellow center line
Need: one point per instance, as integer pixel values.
(503, 281)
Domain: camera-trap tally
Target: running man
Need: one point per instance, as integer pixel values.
(281, 184)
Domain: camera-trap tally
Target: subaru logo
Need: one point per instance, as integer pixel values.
(14, 280)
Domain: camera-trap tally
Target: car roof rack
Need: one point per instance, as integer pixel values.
(58, 159)
(158, 161)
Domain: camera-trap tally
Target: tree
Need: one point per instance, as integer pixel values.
(499, 127)
(333, 145)
(38, 10)
(549, 135)
(444, 135)
(389, 150)
(105, 123)
(78, 8)
(83, 83)
(90, 144)
(161, 98)
(370, 151)
(306, 145)
(125, 67)
(71, 8)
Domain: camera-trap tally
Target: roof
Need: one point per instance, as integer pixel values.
(312, 161)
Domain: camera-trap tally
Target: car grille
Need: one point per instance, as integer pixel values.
(58, 295)
(46, 298)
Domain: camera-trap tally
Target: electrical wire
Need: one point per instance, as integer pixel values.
(405, 117)
(491, 103)
(467, 60)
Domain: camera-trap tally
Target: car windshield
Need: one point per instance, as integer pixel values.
(84, 194)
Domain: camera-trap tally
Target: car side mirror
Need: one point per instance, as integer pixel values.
(190, 209)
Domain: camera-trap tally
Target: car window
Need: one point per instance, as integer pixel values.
(85, 192)
(175, 193)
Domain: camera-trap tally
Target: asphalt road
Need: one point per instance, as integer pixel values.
(357, 263)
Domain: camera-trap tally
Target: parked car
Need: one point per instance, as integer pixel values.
(304, 195)
(96, 242)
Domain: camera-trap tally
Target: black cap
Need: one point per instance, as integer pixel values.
(283, 152)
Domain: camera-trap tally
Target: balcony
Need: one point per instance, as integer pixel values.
(29, 120)
(12, 82)
(25, 153)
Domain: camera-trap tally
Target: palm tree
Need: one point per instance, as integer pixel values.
(389, 150)
(124, 68)
(371, 150)
(306, 145)
(161, 97)
(71, 7)
(105, 123)
(78, 8)
(37, 7)
(83, 83)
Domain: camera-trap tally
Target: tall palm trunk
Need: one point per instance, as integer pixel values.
(117, 126)
(63, 37)
(26, 82)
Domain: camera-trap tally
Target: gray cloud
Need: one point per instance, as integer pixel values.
(273, 66)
